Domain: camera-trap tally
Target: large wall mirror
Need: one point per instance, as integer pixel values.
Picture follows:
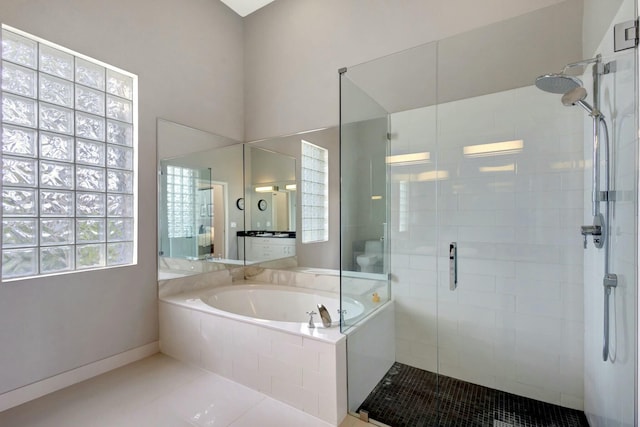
(222, 203)
(292, 192)
(200, 182)
(270, 205)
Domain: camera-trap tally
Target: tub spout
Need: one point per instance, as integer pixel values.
(311, 314)
(324, 315)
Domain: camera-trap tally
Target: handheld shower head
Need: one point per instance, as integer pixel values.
(578, 96)
(557, 83)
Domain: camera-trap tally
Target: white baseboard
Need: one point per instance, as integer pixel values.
(33, 391)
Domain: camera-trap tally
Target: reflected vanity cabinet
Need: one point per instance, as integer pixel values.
(264, 248)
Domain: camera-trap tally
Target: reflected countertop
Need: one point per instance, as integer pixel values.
(265, 233)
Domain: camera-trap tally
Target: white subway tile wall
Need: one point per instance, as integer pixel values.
(307, 374)
(515, 321)
(609, 387)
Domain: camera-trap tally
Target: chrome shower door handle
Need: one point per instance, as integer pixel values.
(453, 266)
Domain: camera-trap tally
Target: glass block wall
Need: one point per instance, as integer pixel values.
(68, 160)
(314, 178)
(181, 201)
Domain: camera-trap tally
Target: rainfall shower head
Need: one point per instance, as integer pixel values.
(557, 83)
(577, 96)
(571, 89)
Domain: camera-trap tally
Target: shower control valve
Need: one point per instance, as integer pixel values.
(592, 230)
(595, 230)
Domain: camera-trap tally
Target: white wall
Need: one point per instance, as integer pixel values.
(609, 386)
(188, 56)
(294, 48)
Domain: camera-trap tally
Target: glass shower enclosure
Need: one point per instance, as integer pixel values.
(498, 271)
(186, 200)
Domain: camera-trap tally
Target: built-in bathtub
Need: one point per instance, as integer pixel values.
(257, 334)
(281, 304)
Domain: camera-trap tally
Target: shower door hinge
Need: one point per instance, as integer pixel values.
(625, 35)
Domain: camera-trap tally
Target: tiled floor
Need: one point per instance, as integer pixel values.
(410, 397)
(159, 392)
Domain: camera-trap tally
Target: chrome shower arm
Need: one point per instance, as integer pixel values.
(582, 63)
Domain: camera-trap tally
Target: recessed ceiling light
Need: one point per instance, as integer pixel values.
(245, 7)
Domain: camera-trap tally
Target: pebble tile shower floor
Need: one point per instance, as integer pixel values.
(411, 397)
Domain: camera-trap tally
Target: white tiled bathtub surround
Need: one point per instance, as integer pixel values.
(515, 321)
(371, 353)
(306, 370)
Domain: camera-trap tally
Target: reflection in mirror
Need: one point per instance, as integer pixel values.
(292, 197)
(272, 190)
(188, 229)
(270, 200)
(365, 139)
(199, 184)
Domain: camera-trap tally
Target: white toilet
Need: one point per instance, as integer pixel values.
(369, 262)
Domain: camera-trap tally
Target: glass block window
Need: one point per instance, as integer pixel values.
(314, 178)
(68, 160)
(181, 196)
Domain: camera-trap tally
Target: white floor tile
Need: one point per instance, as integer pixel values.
(210, 401)
(271, 413)
(157, 392)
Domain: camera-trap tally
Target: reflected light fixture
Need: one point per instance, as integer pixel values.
(408, 159)
(493, 149)
(505, 168)
(376, 197)
(436, 175)
(266, 189)
(290, 187)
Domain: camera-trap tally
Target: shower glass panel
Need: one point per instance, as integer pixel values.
(513, 201)
(495, 295)
(364, 208)
(368, 316)
(372, 148)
